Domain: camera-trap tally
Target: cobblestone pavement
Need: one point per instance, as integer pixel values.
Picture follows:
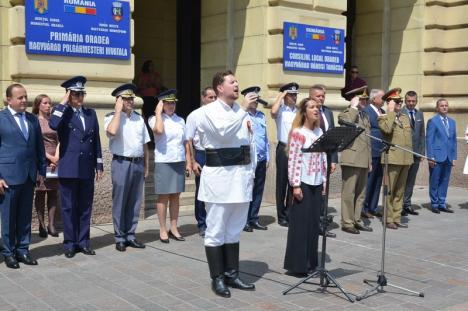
(430, 256)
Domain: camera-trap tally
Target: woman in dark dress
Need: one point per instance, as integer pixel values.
(307, 175)
(47, 187)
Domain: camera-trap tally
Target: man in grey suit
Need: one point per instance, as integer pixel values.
(419, 146)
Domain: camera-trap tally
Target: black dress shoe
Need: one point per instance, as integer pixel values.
(376, 213)
(400, 225)
(135, 244)
(87, 251)
(70, 253)
(177, 238)
(351, 230)
(42, 232)
(201, 232)
(363, 227)
(329, 234)
(283, 223)
(257, 226)
(120, 246)
(52, 233)
(219, 288)
(446, 210)
(26, 259)
(165, 241)
(404, 212)
(411, 211)
(435, 210)
(248, 228)
(11, 262)
(236, 282)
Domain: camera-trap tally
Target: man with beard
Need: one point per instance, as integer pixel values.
(226, 180)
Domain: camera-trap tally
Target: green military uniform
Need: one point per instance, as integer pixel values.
(355, 162)
(396, 129)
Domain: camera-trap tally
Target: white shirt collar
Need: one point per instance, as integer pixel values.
(13, 112)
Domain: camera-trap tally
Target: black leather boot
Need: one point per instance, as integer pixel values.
(231, 268)
(214, 255)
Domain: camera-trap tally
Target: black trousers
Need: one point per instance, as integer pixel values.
(282, 188)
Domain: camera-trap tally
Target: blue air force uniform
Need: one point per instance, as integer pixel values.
(80, 157)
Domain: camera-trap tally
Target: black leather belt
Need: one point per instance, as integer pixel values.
(119, 157)
(228, 156)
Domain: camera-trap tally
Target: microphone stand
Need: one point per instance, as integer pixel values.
(381, 278)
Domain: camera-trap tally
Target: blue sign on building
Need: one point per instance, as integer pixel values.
(313, 48)
(84, 28)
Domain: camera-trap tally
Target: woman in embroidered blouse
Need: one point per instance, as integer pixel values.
(307, 176)
(172, 161)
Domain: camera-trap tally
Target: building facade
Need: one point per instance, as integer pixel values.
(415, 44)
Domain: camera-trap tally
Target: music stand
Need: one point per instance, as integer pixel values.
(334, 140)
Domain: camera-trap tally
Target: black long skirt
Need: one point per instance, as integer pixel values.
(303, 233)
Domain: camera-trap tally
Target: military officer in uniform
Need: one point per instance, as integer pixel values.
(355, 164)
(80, 162)
(283, 112)
(128, 138)
(396, 129)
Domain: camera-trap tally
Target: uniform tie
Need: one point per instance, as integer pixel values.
(23, 126)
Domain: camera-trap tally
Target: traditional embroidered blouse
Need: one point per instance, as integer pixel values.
(309, 168)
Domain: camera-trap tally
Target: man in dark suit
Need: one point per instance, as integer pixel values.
(374, 178)
(317, 92)
(419, 146)
(441, 145)
(22, 155)
(80, 162)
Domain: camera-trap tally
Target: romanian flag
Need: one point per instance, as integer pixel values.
(79, 10)
(317, 36)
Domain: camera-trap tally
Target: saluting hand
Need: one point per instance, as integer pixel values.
(249, 99)
(65, 98)
(354, 102)
(3, 186)
(159, 108)
(118, 105)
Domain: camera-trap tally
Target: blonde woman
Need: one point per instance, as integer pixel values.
(307, 176)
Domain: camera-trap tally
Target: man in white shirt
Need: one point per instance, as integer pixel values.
(226, 180)
(128, 137)
(283, 112)
(208, 95)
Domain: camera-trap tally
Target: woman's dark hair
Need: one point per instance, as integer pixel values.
(146, 66)
(37, 103)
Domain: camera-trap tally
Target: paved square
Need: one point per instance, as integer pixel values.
(430, 256)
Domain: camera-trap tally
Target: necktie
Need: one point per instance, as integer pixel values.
(412, 118)
(444, 119)
(23, 126)
(322, 121)
(78, 115)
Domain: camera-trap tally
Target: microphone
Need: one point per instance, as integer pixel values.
(346, 123)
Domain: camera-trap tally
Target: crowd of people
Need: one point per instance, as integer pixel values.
(225, 144)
